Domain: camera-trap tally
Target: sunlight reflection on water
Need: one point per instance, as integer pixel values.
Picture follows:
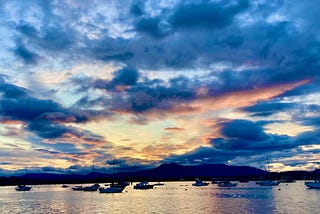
(174, 197)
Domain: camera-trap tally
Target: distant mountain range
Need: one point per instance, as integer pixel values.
(171, 171)
(176, 171)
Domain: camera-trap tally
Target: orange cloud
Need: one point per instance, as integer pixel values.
(244, 98)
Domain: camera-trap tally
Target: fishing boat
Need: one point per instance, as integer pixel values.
(143, 185)
(200, 183)
(64, 186)
(23, 188)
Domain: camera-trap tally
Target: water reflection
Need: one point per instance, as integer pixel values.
(174, 197)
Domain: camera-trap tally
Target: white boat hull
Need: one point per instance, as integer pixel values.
(111, 190)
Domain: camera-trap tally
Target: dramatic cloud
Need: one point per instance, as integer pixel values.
(195, 81)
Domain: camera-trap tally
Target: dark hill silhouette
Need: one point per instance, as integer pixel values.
(176, 171)
(163, 172)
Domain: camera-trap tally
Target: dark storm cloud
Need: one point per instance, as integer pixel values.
(269, 107)
(279, 45)
(185, 40)
(58, 148)
(254, 142)
(202, 155)
(142, 95)
(153, 27)
(46, 118)
(27, 29)
(240, 45)
(243, 129)
(26, 55)
(243, 135)
(312, 87)
(124, 77)
(207, 15)
(203, 15)
(137, 9)
(56, 39)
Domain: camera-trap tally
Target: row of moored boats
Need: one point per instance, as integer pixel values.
(120, 186)
(311, 184)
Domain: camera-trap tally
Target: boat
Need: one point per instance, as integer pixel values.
(226, 184)
(111, 189)
(313, 184)
(268, 183)
(159, 184)
(120, 184)
(115, 187)
(23, 188)
(200, 183)
(91, 188)
(143, 185)
(77, 188)
(64, 186)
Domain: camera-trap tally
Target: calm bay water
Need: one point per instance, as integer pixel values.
(174, 197)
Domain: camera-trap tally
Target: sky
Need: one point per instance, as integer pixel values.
(90, 85)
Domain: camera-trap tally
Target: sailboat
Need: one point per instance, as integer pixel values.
(268, 182)
(23, 187)
(315, 184)
(115, 187)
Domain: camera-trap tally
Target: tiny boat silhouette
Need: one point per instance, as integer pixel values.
(23, 188)
(200, 183)
(143, 185)
(77, 188)
(111, 189)
(226, 184)
(91, 188)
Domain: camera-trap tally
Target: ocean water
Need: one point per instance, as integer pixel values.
(174, 197)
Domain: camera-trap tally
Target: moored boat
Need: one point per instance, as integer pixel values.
(226, 184)
(120, 184)
(23, 188)
(91, 188)
(111, 190)
(77, 188)
(143, 185)
(64, 186)
(313, 184)
(200, 183)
